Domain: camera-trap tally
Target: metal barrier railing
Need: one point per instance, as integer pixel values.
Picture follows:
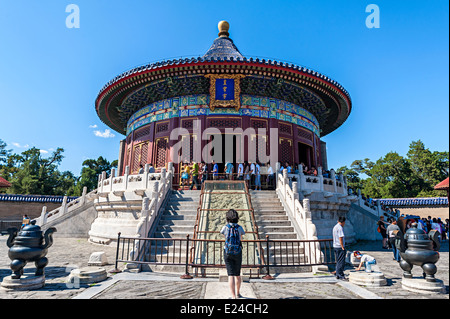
(176, 252)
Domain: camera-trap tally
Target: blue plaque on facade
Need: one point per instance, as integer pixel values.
(224, 89)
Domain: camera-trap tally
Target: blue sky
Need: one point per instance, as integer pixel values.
(397, 75)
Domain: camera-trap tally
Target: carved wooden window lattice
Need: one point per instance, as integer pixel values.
(187, 124)
(304, 134)
(141, 133)
(287, 129)
(140, 155)
(162, 145)
(261, 147)
(222, 122)
(285, 150)
(162, 127)
(187, 143)
(258, 124)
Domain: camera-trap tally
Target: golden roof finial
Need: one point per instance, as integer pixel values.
(224, 26)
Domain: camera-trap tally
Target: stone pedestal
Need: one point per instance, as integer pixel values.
(87, 275)
(368, 279)
(420, 285)
(26, 282)
(98, 259)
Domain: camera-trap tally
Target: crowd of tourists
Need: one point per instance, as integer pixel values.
(194, 174)
(255, 174)
(426, 224)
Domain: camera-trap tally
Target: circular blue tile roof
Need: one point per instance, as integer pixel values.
(223, 47)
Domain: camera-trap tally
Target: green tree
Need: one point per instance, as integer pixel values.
(353, 180)
(429, 167)
(391, 177)
(89, 174)
(37, 175)
(395, 176)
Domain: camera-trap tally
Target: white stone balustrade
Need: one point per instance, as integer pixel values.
(64, 209)
(129, 204)
(300, 214)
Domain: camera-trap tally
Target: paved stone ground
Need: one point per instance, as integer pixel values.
(393, 272)
(68, 253)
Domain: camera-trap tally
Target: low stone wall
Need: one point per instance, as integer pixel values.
(16, 210)
(366, 223)
(325, 212)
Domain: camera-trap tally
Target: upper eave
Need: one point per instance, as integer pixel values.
(115, 91)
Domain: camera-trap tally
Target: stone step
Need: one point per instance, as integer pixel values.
(285, 248)
(183, 202)
(175, 228)
(270, 217)
(183, 211)
(179, 217)
(263, 212)
(167, 258)
(276, 229)
(173, 234)
(266, 201)
(268, 207)
(264, 198)
(287, 259)
(278, 235)
(177, 205)
(276, 222)
(177, 222)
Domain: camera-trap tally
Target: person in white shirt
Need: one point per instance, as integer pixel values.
(365, 259)
(339, 247)
(270, 176)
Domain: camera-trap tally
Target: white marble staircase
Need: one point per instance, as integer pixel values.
(273, 221)
(178, 219)
(176, 222)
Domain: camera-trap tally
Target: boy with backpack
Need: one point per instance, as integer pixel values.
(233, 251)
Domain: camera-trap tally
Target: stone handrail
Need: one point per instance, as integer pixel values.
(335, 184)
(151, 208)
(375, 209)
(299, 212)
(126, 182)
(118, 185)
(65, 208)
(307, 183)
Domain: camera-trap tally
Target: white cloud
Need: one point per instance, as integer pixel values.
(106, 134)
(43, 151)
(20, 146)
(93, 126)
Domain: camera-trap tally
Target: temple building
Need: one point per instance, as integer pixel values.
(222, 89)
